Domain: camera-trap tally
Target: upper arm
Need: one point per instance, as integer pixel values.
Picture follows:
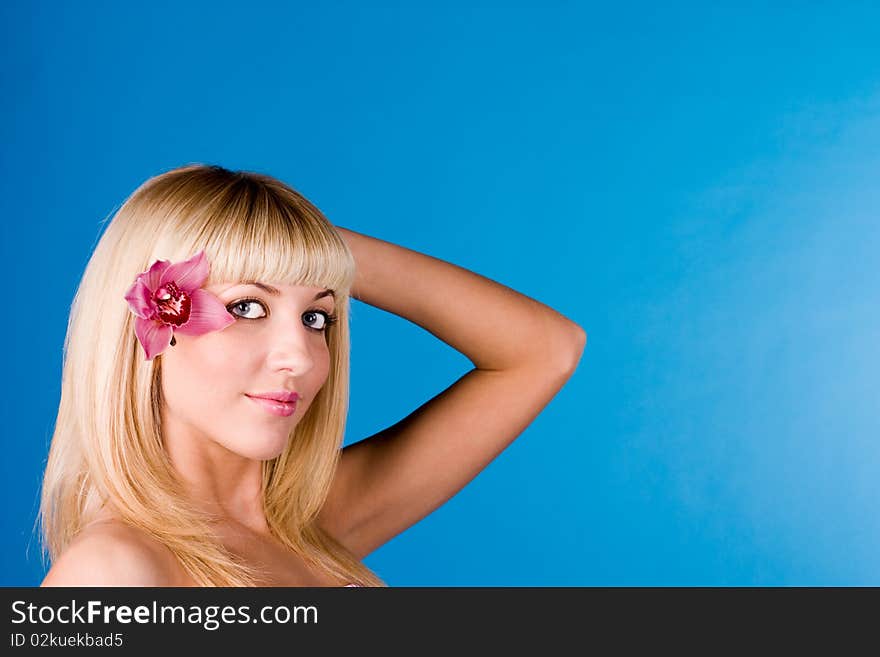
(391, 480)
(109, 556)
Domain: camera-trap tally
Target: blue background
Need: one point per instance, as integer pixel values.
(697, 187)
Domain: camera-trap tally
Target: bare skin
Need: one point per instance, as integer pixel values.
(523, 353)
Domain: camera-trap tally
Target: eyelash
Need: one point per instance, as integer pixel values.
(329, 318)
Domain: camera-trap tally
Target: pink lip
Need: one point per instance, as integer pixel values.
(274, 406)
(278, 395)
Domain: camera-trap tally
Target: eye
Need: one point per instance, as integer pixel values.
(326, 320)
(246, 309)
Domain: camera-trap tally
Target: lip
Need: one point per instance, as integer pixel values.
(274, 406)
(278, 395)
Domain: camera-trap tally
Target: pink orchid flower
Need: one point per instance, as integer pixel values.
(166, 300)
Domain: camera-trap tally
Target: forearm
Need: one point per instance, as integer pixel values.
(494, 326)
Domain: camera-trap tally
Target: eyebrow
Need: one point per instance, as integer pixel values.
(275, 292)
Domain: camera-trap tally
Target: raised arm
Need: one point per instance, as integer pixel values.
(523, 353)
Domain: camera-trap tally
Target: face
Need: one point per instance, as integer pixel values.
(212, 383)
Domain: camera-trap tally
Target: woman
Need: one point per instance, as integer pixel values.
(205, 389)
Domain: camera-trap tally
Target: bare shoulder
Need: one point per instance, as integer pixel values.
(111, 553)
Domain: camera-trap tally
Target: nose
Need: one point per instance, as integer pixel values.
(290, 348)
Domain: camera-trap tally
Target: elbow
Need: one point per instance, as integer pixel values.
(569, 347)
(579, 342)
(556, 349)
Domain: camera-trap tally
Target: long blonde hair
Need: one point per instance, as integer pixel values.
(107, 447)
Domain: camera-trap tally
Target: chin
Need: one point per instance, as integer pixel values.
(263, 450)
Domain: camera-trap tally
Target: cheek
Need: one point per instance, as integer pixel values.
(323, 363)
(321, 371)
(196, 382)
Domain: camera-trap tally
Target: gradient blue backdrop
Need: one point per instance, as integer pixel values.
(696, 187)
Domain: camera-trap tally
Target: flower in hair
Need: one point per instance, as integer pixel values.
(166, 299)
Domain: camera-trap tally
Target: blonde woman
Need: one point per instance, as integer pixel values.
(205, 388)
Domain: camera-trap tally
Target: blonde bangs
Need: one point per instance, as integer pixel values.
(254, 228)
